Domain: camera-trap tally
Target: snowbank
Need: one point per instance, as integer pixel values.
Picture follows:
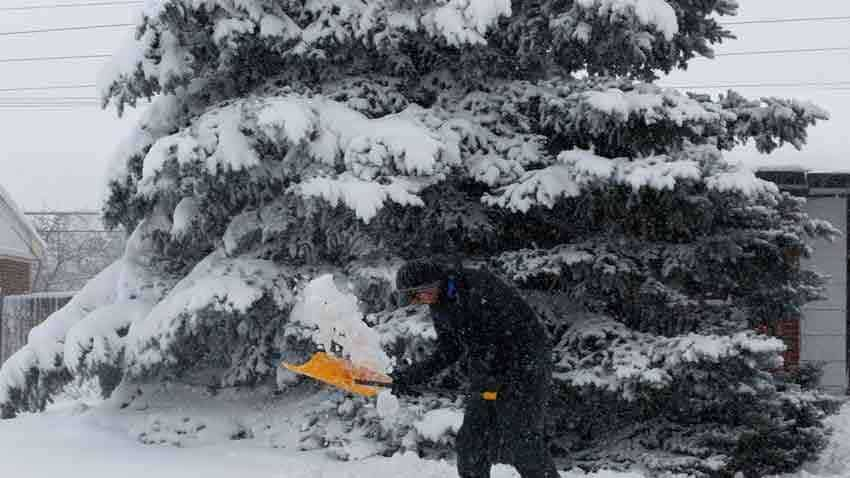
(246, 434)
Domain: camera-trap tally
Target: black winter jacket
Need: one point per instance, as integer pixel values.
(505, 343)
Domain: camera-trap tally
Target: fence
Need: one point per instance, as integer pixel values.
(20, 313)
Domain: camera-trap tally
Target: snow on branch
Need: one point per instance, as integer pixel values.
(657, 13)
(98, 339)
(632, 361)
(652, 104)
(578, 171)
(178, 43)
(217, 283)
(618, 117)
(45, 344)
(388, 158)
(366, 198)
(464, 21)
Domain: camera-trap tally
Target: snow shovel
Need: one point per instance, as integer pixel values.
(357, 379)
(342, 374)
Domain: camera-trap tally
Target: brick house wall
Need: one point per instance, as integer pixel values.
(15, 276)
(789, 331)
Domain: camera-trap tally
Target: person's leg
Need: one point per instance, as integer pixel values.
(533, 460)
(473, 459)
(530, 449)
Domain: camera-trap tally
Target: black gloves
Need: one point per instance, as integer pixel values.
(403, 385)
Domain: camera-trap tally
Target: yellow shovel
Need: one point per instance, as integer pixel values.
(344, 374)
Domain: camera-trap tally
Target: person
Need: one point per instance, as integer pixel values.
(508, 362)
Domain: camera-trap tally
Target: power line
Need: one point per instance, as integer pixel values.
(69, 5)
(67, 29)
(53, 58)
(43, 88)
(791, 50)
(49, 98)
(796, 84)
(39, 105)
(46, 105)
(787, 20)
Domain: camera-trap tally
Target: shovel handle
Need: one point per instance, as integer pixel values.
(418, 388)
(373, 383)
(489, 396)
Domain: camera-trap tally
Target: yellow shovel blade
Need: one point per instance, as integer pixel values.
(340, 373)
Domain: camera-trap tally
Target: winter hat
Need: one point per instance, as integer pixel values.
(419, 272)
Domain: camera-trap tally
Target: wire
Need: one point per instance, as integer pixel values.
(42, 88)
(53, 58)
(787, 20)
(47, 105)
(69, 5)
(768, 85)
(67, 29)
(793, 50)
(49, 98)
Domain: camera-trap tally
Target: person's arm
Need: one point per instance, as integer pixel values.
(447, 353)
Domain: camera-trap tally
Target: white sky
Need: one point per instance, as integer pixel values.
(56, 159)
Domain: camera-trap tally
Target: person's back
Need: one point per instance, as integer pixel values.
(496, 327)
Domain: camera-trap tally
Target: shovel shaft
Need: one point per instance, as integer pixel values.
(418, 388)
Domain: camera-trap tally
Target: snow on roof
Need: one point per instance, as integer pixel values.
(25, 229)
(809, 163)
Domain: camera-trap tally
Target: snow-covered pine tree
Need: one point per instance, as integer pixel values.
(287, 139)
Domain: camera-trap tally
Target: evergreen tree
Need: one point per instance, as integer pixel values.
(287, 139)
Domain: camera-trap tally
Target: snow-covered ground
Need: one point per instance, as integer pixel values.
(175, 434)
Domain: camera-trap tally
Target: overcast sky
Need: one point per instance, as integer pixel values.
(56, 158)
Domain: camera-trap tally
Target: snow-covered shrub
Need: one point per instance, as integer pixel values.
(292, 140)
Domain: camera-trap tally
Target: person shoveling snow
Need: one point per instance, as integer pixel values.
(508, 364)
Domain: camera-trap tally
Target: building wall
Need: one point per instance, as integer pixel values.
(15, 276)
(823, 330)
(789, 331)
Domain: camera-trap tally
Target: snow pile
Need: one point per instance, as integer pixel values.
(436, 423)
(336, 317)
(250, 435)
(387, 405)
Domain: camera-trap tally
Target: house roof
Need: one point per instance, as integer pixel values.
(29, 245)
(803, 182)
